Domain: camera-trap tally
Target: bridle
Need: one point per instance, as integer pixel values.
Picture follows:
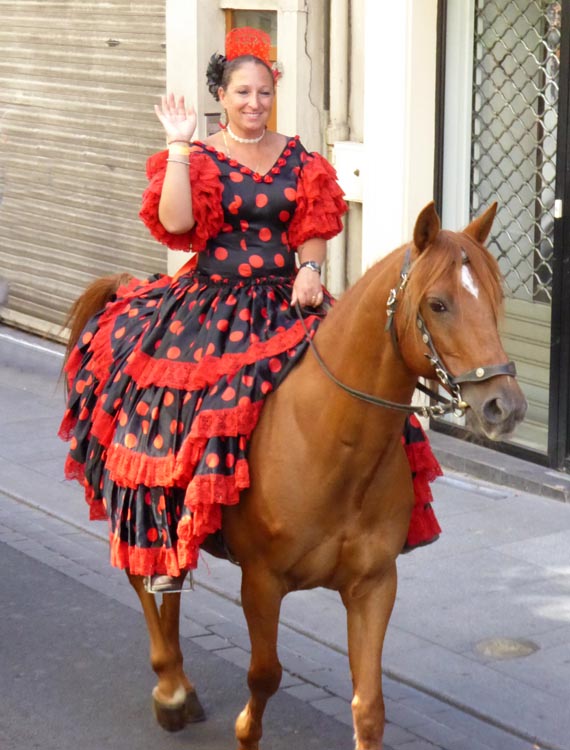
(455, 404)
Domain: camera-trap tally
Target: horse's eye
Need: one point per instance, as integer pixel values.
(437, 306)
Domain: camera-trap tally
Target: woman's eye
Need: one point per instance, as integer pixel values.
(437, 306)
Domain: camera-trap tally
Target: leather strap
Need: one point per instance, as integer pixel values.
(484, 373)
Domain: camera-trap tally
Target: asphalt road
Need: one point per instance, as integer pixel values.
(75, 674)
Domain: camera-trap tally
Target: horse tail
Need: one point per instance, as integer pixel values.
(93, 299)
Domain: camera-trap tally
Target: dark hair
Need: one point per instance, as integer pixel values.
(220, 71)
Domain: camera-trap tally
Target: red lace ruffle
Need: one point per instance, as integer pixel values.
(424, 526)
(74, 470)
(206, 202)
(97, 511)
(423, 463)
(206, 492)
(103, 425)
(129, 469)
(67, 427)
(72, 366)
(143, 561)
(320, 203)
(205, 496)
(146, 370)
(241, 420)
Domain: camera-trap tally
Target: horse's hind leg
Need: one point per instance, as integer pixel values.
(175, 701)
(261, 600)
(368, 616)
(170, 621)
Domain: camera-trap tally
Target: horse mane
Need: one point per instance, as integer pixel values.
(384, 270)
(444, 258)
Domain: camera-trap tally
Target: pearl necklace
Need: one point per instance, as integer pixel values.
(243, 140)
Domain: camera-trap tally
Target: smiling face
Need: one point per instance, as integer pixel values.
(248, 99)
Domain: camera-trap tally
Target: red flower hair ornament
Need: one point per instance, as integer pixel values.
(241, 41)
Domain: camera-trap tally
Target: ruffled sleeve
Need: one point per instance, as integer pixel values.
(320, 203)
(206, 202)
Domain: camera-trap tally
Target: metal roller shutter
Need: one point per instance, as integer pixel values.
(514, 150)
(78, 81)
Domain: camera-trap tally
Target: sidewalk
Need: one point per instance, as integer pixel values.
(477, 655)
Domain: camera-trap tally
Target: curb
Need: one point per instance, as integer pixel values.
(499, 468)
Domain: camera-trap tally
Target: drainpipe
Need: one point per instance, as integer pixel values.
(338, 129)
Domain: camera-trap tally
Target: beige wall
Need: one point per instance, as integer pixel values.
(399, 113)
(420, 110)
(194, 31)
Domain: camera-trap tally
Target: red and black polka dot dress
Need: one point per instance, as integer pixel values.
(166, 383)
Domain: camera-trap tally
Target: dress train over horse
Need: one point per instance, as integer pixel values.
(167, 382)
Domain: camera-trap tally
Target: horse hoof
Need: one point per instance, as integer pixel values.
(170, 718)
(193, 708)
(174, 718)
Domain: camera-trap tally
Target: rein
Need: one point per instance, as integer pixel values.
(455, 404)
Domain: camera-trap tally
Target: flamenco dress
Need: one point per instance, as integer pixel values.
(167, 382)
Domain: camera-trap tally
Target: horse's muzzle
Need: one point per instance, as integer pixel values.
(496, 407)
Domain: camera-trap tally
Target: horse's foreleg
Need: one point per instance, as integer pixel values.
(261, 601)
(174, 698)
(368, 616)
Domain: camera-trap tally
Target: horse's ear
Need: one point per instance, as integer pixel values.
(481, 226)
(427, 227)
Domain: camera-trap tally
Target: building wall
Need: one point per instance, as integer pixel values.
(399, 112)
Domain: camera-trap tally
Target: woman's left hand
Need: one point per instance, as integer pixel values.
(307, 288)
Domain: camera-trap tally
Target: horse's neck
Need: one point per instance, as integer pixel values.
(353, 340)
(357, 350)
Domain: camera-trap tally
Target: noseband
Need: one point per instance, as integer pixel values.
(452, 383)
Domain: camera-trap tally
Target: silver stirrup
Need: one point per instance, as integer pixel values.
(165, 584)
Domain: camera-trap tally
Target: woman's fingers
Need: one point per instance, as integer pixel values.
(173, 107)
(316, 299)
(307, 296)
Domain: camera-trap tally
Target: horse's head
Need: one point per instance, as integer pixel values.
(455, 286)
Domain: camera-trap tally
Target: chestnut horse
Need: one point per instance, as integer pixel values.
(331, 491)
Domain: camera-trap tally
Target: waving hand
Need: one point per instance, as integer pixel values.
(178, 120)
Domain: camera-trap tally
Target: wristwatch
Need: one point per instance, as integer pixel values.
(312, 264)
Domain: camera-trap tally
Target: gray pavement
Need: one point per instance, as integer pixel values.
(477, 655)
(91, 688)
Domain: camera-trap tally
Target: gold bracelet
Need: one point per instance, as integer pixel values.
(180, 161)
(177, 150)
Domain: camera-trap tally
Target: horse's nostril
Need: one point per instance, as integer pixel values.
(494, 411)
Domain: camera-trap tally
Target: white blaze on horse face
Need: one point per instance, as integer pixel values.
(468, 282)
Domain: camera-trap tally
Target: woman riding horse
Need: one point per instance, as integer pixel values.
(166, 383)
